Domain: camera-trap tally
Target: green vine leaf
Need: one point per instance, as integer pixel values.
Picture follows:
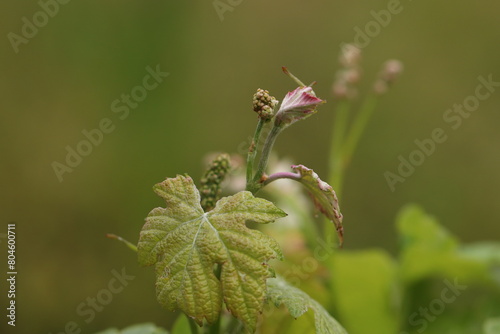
(146, 328)
(323, 195)
(492, 326)
(186, 243)
(298, 302)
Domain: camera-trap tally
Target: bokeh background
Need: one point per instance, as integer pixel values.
(65, 78)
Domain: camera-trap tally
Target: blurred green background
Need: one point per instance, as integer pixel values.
(64, 79)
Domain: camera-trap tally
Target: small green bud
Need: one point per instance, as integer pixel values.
(264, 104)
(210, 189)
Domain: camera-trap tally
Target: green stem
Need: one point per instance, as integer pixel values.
(252, 150)
(343, 145)
(126, 242)
(215, 327)
(193, 326)
(339, 129)
(293, 77)
(234, 326)
(255, 185)
(358, 127)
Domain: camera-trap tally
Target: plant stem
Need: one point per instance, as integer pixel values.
(339, 129)
(234, 326)
(126, 242)
(281, 175)
(310, 228)
(293, 77)
(341, 153)
(215, 327)
(358, 128)
(252, 150)
(193, 326)
(255, 185)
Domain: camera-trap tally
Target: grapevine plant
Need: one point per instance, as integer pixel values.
(213, 254)
(206, 255)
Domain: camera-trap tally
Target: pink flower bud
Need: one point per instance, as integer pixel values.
(350, 55)
(390, 72)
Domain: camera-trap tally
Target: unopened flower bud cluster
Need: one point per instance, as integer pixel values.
(347, 78)
(210, 189)
(264, 104)
(389, 73)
